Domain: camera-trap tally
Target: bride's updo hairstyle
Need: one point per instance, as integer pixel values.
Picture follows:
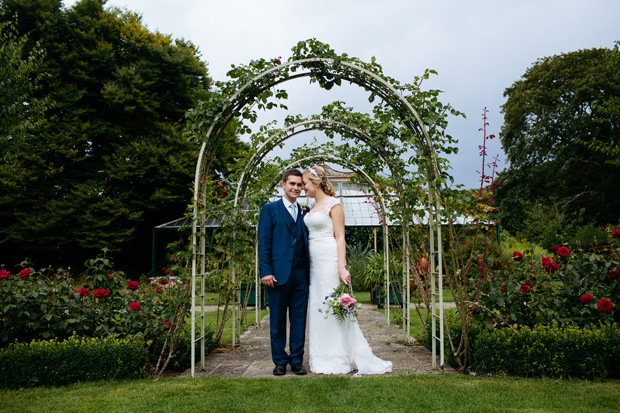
(316, 175)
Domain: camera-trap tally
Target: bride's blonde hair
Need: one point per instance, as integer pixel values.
(321, 180)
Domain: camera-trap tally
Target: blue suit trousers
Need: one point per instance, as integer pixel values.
(291, 298)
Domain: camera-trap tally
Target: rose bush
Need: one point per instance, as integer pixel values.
(43, 304)
(577, 287)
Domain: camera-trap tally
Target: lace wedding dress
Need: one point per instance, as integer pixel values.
(335, 347)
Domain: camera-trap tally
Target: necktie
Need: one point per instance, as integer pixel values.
(293, 214)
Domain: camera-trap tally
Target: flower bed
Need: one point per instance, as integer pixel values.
(579, 287)
(45, 304)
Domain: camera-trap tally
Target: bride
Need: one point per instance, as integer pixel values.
(335, 347)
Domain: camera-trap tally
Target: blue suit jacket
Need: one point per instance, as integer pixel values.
(275, 238)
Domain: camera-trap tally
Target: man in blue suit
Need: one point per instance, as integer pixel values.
(284, 269)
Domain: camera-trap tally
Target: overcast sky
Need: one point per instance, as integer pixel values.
(479, 48)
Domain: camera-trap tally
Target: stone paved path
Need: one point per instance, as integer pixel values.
(253, 357)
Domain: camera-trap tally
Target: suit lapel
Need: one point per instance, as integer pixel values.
(288, 219)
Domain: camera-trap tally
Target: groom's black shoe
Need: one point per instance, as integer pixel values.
(298, 369)
(279, 370)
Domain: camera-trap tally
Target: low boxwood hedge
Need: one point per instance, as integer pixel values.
(546, 351)
(550, 351)
(58, 363)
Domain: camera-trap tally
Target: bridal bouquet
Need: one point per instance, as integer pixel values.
(340, 304)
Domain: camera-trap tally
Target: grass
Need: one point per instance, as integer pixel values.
(211, 318)
(210, 298)
(364, 297)
(417, 328)
(426, 393)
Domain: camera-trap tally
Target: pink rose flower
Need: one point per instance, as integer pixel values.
(347, 301)
(4, 274)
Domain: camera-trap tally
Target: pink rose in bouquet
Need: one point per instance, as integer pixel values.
(347, 301)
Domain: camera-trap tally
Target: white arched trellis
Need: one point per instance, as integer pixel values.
(340, 127)
(244, 95)
(378, 194)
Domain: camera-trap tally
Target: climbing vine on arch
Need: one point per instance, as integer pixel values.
(406, 127)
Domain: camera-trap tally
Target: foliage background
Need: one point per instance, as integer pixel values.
(108, 161)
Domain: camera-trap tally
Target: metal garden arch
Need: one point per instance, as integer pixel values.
(342, 128)
(354, 73)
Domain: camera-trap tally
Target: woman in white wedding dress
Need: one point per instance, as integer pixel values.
(335, 347)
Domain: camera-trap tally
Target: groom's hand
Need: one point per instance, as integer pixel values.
(269, 280)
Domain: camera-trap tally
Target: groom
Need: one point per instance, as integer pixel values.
(284, 269)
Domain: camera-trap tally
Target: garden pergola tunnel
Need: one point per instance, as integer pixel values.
(243, 94)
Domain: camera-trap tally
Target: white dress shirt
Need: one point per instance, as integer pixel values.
(288, 204)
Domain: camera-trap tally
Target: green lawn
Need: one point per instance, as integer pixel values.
(364, 297)
(415, 393)
(211, 318)
(417, 328)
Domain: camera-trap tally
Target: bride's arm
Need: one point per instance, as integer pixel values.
(337, 214)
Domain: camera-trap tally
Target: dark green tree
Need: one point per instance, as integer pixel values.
(559, 102)
(109, 160)
(612, 109)
(19, 111)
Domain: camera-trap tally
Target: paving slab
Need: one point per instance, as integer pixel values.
(252, 357)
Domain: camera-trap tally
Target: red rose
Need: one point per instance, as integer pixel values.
(83, 291)
(158, 289)
(101, 293)
(4, 274)
(587, 298)
(555, 249)
(134, 306)
(616, 233)
(605, 305)
(526, 287)
(166, 325)
(612, 275)
(563, 252)
(517, 256)
(133, 285)
(110, 275)
(163, 282)
(549, 265)
(24, 273)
